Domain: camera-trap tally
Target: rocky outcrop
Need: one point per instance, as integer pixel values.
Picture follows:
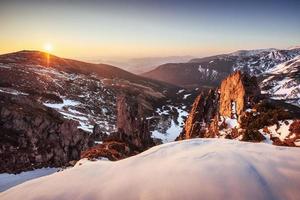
(209, 110)
(133, 135)
(237, 91)
(239, 111)
(112, 150)
(275, 121)
(203, 110)
(33, 136)
(132, 126)
(295, 128)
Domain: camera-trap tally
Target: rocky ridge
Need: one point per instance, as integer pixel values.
(241, 112)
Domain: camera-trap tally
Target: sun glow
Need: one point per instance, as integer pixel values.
(48, 47)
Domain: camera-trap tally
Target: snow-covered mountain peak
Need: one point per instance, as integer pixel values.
(276, 55)
(247, 53)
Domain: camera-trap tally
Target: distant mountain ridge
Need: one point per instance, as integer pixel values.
(145, 64)
(40, 58)
(207, 72)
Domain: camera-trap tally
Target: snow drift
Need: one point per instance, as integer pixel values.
(190, 169)
(10, 180)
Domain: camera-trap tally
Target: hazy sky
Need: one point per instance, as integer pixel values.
(140, 28)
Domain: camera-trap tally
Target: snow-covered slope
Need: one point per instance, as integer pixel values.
(257, 62)
(191, 169)
(209, 71)
(10, 180)
(168, 133)
(283, 81)
(83, 92)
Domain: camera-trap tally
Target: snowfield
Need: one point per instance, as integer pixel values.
(191, 169)
(10, 180)
(282, 82)
(174, 130)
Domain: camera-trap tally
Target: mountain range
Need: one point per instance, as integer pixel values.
(141, 65)
(208, 72)
(56, 111)
(41, 93)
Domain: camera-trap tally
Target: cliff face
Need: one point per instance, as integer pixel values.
(133, 135)
(203, 110)
(236, 92)
(130, 122)
(238, 111)
(33, 136)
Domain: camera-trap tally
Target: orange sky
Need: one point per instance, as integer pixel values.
(115, 29)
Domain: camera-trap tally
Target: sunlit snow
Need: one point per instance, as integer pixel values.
(190, 169)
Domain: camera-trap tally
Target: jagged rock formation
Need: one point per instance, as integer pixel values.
(203, 110)
(236, 93)
(34, 136)
(131, 123)
(240, 112)
(133, 135)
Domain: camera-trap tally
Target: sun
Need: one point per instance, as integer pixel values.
(48, 47)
